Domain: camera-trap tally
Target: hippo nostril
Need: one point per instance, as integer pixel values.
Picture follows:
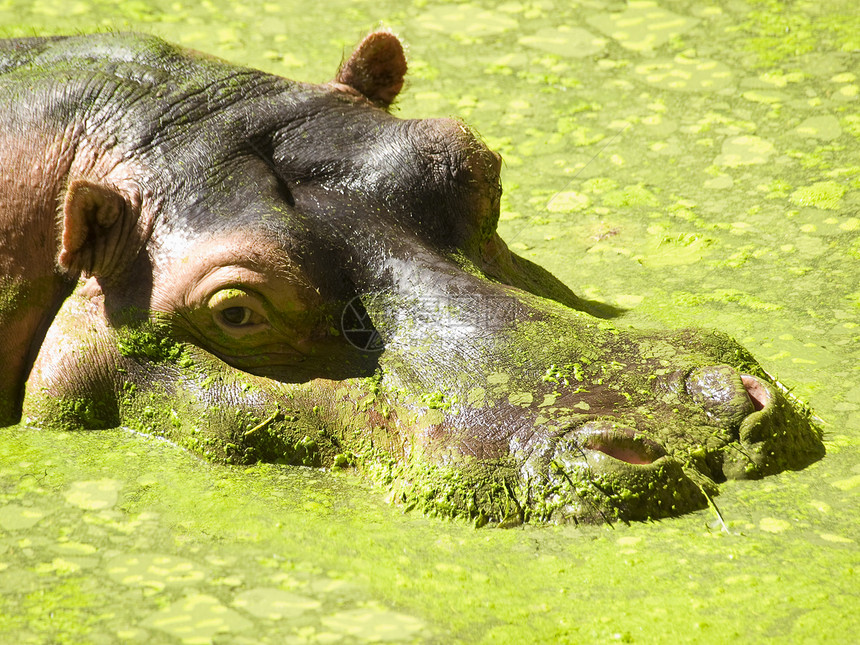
(757, 393)
(621, 453)
(623, 444)
(721, 393)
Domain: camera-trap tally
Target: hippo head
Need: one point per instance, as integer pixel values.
(318, 282)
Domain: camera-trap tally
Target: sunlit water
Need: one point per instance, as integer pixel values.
(695, 164)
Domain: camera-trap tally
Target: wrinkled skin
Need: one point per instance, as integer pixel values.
(216, 222)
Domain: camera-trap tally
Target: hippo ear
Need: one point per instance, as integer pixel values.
(376, 68)
(99, 224)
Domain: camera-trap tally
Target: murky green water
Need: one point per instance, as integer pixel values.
(694, 163)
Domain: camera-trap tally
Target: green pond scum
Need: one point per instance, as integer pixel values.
(692, 164)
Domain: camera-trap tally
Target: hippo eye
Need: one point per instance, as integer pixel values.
(238, 312)
(236, 316)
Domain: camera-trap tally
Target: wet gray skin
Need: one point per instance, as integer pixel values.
(272, 270)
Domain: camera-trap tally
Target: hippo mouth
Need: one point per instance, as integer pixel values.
(622, 444)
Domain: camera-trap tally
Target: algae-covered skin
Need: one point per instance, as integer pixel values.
(785, 286)
(496, 394)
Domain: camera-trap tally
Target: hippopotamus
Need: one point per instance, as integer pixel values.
(262, 269)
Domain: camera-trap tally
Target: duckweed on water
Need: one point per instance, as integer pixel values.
(826, 195)
(321, 554)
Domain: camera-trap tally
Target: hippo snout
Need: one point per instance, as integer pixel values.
(631, 465)
(776, 436)
(762, 432)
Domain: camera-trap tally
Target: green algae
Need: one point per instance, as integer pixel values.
(683, 579)
(825, 127)
(781, 33)
(570, 42)
(744, 150)
(113, 545)
(69, 413)
(643, 26)
(634, 195)
(568, 202)
(12, 291)
(465, 21)
(686, 74)
(232, 435)
(149, 341)
(726, 295)
(826, 195)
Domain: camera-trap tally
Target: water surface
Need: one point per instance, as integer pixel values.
(694, 164)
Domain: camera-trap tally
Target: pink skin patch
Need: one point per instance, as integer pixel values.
(757, 392)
